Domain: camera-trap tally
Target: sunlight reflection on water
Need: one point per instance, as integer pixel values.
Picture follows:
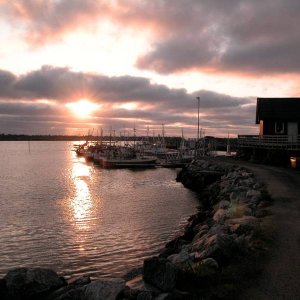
(81, 203)
(59, 211)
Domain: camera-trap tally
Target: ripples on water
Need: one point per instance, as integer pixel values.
(61, 212)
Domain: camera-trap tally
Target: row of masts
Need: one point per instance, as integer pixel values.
(123, 135)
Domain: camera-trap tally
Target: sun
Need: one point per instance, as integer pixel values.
(83, 108)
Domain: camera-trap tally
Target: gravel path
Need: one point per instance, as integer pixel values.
(281, 276)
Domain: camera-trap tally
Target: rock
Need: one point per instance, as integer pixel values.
(218, 229)
(237, 196)
(145, 295)
(73, 294)
(217, 246)
(220, 215)
(25, 283)
(249, 182)
(79, 281)
(164, 296)
(161, 273)
(131, 274)
(224, 204)
(243, 225)
(104, 289)
(3, 288)
(238, 210)
(173, 246)
(72, 290)
(203, 229)
(182, 258)
(136, 283)
(210, 262)
(252, 193)
(129, 293)
(205, 267)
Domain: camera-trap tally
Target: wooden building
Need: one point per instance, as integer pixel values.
(278, 139)
(278, 116)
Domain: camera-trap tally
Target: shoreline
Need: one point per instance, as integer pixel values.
(228, 219)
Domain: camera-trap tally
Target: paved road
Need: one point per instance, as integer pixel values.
(281, 276)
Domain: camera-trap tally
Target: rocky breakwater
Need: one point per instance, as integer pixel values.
(45, 284)
(224, 244)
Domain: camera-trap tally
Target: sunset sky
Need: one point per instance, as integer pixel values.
(67, 66)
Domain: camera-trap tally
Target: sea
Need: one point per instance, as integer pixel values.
(61, 212)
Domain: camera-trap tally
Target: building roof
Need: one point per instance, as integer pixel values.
(284, 109)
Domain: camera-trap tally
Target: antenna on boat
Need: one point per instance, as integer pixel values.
(110, 129)
(134, 133)
(163, 135)
(228, 152)
(101, 136)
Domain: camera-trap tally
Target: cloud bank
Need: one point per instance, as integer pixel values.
(236, 36)
(40, 96)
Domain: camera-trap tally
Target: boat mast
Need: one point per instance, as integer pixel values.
(163, 136)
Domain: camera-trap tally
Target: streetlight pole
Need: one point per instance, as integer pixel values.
(198, 132)
(198, 135)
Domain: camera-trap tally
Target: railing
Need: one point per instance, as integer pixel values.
(287, 142)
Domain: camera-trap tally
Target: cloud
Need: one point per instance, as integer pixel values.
(42, 95)
(233, 36)
(44, 21)
(6, 81)
(236, 36)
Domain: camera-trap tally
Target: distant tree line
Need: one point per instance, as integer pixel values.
(171, 142)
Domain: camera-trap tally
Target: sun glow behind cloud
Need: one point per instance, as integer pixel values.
(154, 74)
(127, 106)
(83, 108)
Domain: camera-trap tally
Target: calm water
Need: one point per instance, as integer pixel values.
(58, 211)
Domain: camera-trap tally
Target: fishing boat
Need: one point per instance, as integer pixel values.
(80, 149)
(127, 157)
(175, 160)
(180, 158)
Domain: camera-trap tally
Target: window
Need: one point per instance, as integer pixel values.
(279, 127)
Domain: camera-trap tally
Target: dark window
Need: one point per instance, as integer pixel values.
(279, 127)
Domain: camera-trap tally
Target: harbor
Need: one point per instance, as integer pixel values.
(91, 221)
(150, 150)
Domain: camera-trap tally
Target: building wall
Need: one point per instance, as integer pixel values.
(268, 127)
(274, 127)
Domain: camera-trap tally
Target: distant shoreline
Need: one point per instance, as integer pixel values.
(21, 137)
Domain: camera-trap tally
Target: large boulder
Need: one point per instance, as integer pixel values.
(161, 273)
(26, 283)
(73, 291)
(217, 246)
(182, 258)
(205, 267)
(105, 289)
(243, 225)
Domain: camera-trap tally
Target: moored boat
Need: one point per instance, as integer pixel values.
(127, 157)
(139, 162)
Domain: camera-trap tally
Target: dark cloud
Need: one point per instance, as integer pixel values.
(41, 95)
(249, 36)
(62, 84)
(51, 83)
(229, 36)
(6, 81)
